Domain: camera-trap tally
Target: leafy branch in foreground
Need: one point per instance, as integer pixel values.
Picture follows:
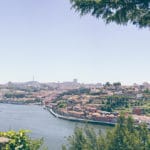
(136, 12)
(20, 141)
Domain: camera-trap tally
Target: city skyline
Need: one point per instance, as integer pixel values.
(52, 42)
(76, 81)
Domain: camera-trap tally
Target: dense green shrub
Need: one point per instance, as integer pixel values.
(20, 141)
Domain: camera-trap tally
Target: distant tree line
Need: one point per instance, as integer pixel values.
(14, 95)
(115, 101)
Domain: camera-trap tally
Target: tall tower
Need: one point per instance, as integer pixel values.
(33, 78)
(75, 80)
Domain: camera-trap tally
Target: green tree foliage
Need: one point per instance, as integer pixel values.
(115, 101)
(14, 95)
(62, 104)
(20, 141)
(107, 84)
(77, 91)
(116, 84)
(147, 91)
(123, 137)
(136, 12)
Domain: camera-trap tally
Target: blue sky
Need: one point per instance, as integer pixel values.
(50, 41)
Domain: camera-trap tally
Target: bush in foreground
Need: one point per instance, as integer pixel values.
(20, 141)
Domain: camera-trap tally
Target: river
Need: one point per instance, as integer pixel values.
(42, 124)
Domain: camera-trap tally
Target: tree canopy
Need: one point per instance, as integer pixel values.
(122, 12)
(123, 137)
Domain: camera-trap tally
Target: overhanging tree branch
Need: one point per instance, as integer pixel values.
(123, 12)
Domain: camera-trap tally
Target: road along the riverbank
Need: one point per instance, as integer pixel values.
(78, 119)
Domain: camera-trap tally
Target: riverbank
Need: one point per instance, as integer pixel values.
(18, 102)
(60, 116)
(78, 119)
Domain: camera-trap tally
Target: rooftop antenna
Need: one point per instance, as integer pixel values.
(33, 79)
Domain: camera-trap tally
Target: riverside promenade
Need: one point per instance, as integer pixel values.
(78, 119)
